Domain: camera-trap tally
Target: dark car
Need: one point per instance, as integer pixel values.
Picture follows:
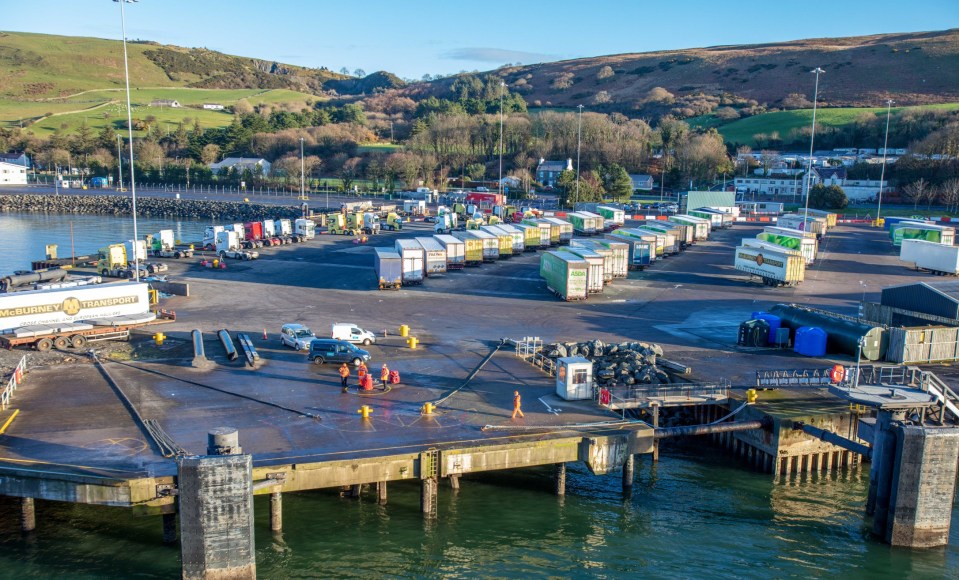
(330, 350)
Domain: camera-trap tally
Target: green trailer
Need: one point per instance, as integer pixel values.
(597, 277)
(907, 230)
(613, 217)
(793, 240)
(565, 274)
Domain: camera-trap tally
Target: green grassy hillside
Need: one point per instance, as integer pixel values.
(742, 131)
(56, 82)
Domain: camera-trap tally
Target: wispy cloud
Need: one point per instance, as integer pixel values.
(496, 55)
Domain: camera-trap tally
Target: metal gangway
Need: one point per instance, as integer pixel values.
(624, 397)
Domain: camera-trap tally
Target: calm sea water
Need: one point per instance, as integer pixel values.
(23, 236)
(692, 515)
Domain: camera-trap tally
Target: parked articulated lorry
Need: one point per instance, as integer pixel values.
(72, 317)
(228, 246)
(163, 245)
(932, 256)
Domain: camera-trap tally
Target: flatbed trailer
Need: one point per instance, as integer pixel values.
(78, 334)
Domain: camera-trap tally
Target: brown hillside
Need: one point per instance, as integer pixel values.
(912, 68)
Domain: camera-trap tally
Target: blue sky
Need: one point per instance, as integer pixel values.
(414, 38)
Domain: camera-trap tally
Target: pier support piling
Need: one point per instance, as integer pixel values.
(276, 511)
(455, 482)
(216, 510)
(356, 490)
(381, 492)
(655, 410)
(169, 528)
(428, 497)
(628, 468)
(28, 514)
(560, 477)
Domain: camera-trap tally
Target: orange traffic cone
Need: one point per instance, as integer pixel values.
(264, 334)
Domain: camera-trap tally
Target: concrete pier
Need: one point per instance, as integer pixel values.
(216, 509)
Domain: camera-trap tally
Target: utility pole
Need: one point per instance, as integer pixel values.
(812, 138)
(579, 142)
(885, 148)
(499, 188)
(119, 162)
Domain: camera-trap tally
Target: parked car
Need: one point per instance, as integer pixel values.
(296, 336)
(330, 350)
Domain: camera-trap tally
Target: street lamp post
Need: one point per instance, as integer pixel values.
(812, 137)
(579, 142)
(302, 193)
(119, 162)
(133, 181)
(502, 87)
(885, 147)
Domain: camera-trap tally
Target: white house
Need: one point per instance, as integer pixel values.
(12, 174)
(641, 181)
(165, 103)
(258, 166)
(213, 106)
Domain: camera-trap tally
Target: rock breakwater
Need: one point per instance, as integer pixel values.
(146, 207)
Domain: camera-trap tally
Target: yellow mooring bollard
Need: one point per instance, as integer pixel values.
(404, 331)
(159, 338)
(365, 411)
(751, 396)
(428, 408)
(412, 341)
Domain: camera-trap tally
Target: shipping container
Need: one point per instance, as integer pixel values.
(531, 236)
(674, 232)
(805, 242)
(519, 237)
(831, 217)
(545, 232)
(597, 277)
(455, 251)
(389, 268)
(504, 239)
(617, 253)
(931, 256)
(565, 274)
(599, 222)
(435, 255)
(701, 226)
(816, 225)
(74, 304)
(613, 217)
(916, 230)
(775, 268)
(472, 247)
(565, 229)
(715, 219)
(489, 242)
(414, 261)
(583, 223)
(640, 253)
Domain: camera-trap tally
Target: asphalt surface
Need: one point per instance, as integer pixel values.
(691, 304)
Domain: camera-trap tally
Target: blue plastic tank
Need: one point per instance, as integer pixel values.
(774, 323)
(810, 341)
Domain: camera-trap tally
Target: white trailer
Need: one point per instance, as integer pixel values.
(517, 235)
(596, 273)
(816, 225)
(932, 256)
(700, 225)
(413, 261)
(774, 268)
(435, 255)
(616, 254)
(455, 251)
(805, 242)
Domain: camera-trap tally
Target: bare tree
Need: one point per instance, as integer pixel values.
(932, 194)
(916, 191)
(949, 194)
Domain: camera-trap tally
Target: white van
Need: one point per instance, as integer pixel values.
(351, 333)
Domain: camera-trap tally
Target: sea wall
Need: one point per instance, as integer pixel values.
(146, 207)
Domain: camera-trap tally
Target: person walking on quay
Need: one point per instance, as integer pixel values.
(344, 376)
(385, 376)
(517, 405)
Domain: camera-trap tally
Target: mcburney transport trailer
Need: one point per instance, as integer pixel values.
(775, 268)
(72, 317)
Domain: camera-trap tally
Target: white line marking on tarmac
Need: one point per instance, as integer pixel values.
(548, 408)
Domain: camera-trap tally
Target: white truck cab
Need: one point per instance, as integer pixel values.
(352, 333)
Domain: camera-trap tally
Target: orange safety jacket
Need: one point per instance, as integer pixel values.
(344, 371)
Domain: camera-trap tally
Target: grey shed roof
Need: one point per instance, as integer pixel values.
(935, 298)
